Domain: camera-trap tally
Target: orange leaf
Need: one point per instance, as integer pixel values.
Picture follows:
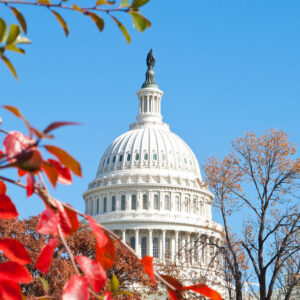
(147, 262)
(106, 255)
(204, 290)
(17, 113)
(51, 172)
(65, 158)
(55, 125)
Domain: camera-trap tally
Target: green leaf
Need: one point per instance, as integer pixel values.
(139, 21)
(138, 3)
(114, 284)
(98, 21)
(20, 18)
(14, 48)
(103, 2)
(124, 293)
(61, 21)
(14, 32)
(22, 40)
(45, 285)
(123, 29)
(9, 65)
(3, 30)
(125, 3)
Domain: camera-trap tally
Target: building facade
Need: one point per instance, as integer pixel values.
(148, 189)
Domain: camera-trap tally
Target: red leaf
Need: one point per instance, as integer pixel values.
(65, 158)
(77, 288)
(15, 251)
(93, 272)
(13, 271)
(174, 295)
(147, 262)
(107, 296)
(55, 125)
(48, 222)
(21, 172)
(106, 255)
(10, 290)
(7, 208)
(2, 187)
(64, 221)
(204, 290)
(45, 257)
(16, 142)
(64, 174)
(51, 172)
(73, 218)
(30, 180)
(99, 234)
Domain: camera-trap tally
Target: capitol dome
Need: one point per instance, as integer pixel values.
(148, 189)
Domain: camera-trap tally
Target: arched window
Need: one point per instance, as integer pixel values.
(133, 202)
(145, 202)
(146, 156)
(137, 156)
(186, 204)
(120, 158)
(155, 247)
(128, 157)
(113, 203)
(156, 202)
(107, 161)
(98, 204)
(167, 203)
(123, 202)
(114, 159)
(154, 156)
(177, 203)
(92, 207)
(144, 246)
(104, 204)
(132, 242)
(164, 157)
(145, 104)
(167, 243)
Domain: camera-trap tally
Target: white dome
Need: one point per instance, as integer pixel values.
(151, 146)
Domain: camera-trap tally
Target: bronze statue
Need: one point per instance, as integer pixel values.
(150, 60)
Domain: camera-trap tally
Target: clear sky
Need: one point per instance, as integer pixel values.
(225, 67)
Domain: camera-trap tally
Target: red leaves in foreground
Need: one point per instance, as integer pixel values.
(30, 184)
(99, 234)
(77, 288)
(10, 291)
(7, 208)
(106, 255)
(147, 262)
(48, 222)
(93, 271)
(45, 257)
(15, 251)
(2, 187)
(14, 272)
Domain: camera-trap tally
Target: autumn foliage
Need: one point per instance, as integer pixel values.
(43, 255)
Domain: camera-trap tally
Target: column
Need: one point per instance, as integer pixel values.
(163, 244)
(150, 243)
(137, 249)
(192, 251)
(189, 248)
(124, 235)
(176, 246)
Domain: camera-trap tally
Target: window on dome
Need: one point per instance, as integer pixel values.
(103, 162)
(128, 157)
(120, 158)
(146, 156)
(98, 204)
(177, 203)
(167, 203)
(186, 204)
(123, 202)
(133, 202)
(144, 246)
(107, 161)
(104, 205)
(155, 247)
(113, 203)
(185, 161)
(137, 156)
(154, 156)
(145, 202)
(114, 159)
(145, 104)
(132, 242)
(167, 243)
(164, 157)
(156, 202)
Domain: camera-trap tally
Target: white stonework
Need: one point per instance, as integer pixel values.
(148, 190)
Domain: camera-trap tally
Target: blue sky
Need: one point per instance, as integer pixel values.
(225, 67)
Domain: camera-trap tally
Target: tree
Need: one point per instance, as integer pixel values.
(12, 39)
(58, 223)
(261, 178)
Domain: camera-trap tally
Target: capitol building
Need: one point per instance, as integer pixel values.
(148, 189)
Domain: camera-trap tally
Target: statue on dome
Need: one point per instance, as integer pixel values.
(150, 60)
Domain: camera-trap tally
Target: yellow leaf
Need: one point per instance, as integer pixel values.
(9, 65)
(76, 7)
(123, 29)
(44, 1)
(98, 21)
(62, 22)
(20, 18)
